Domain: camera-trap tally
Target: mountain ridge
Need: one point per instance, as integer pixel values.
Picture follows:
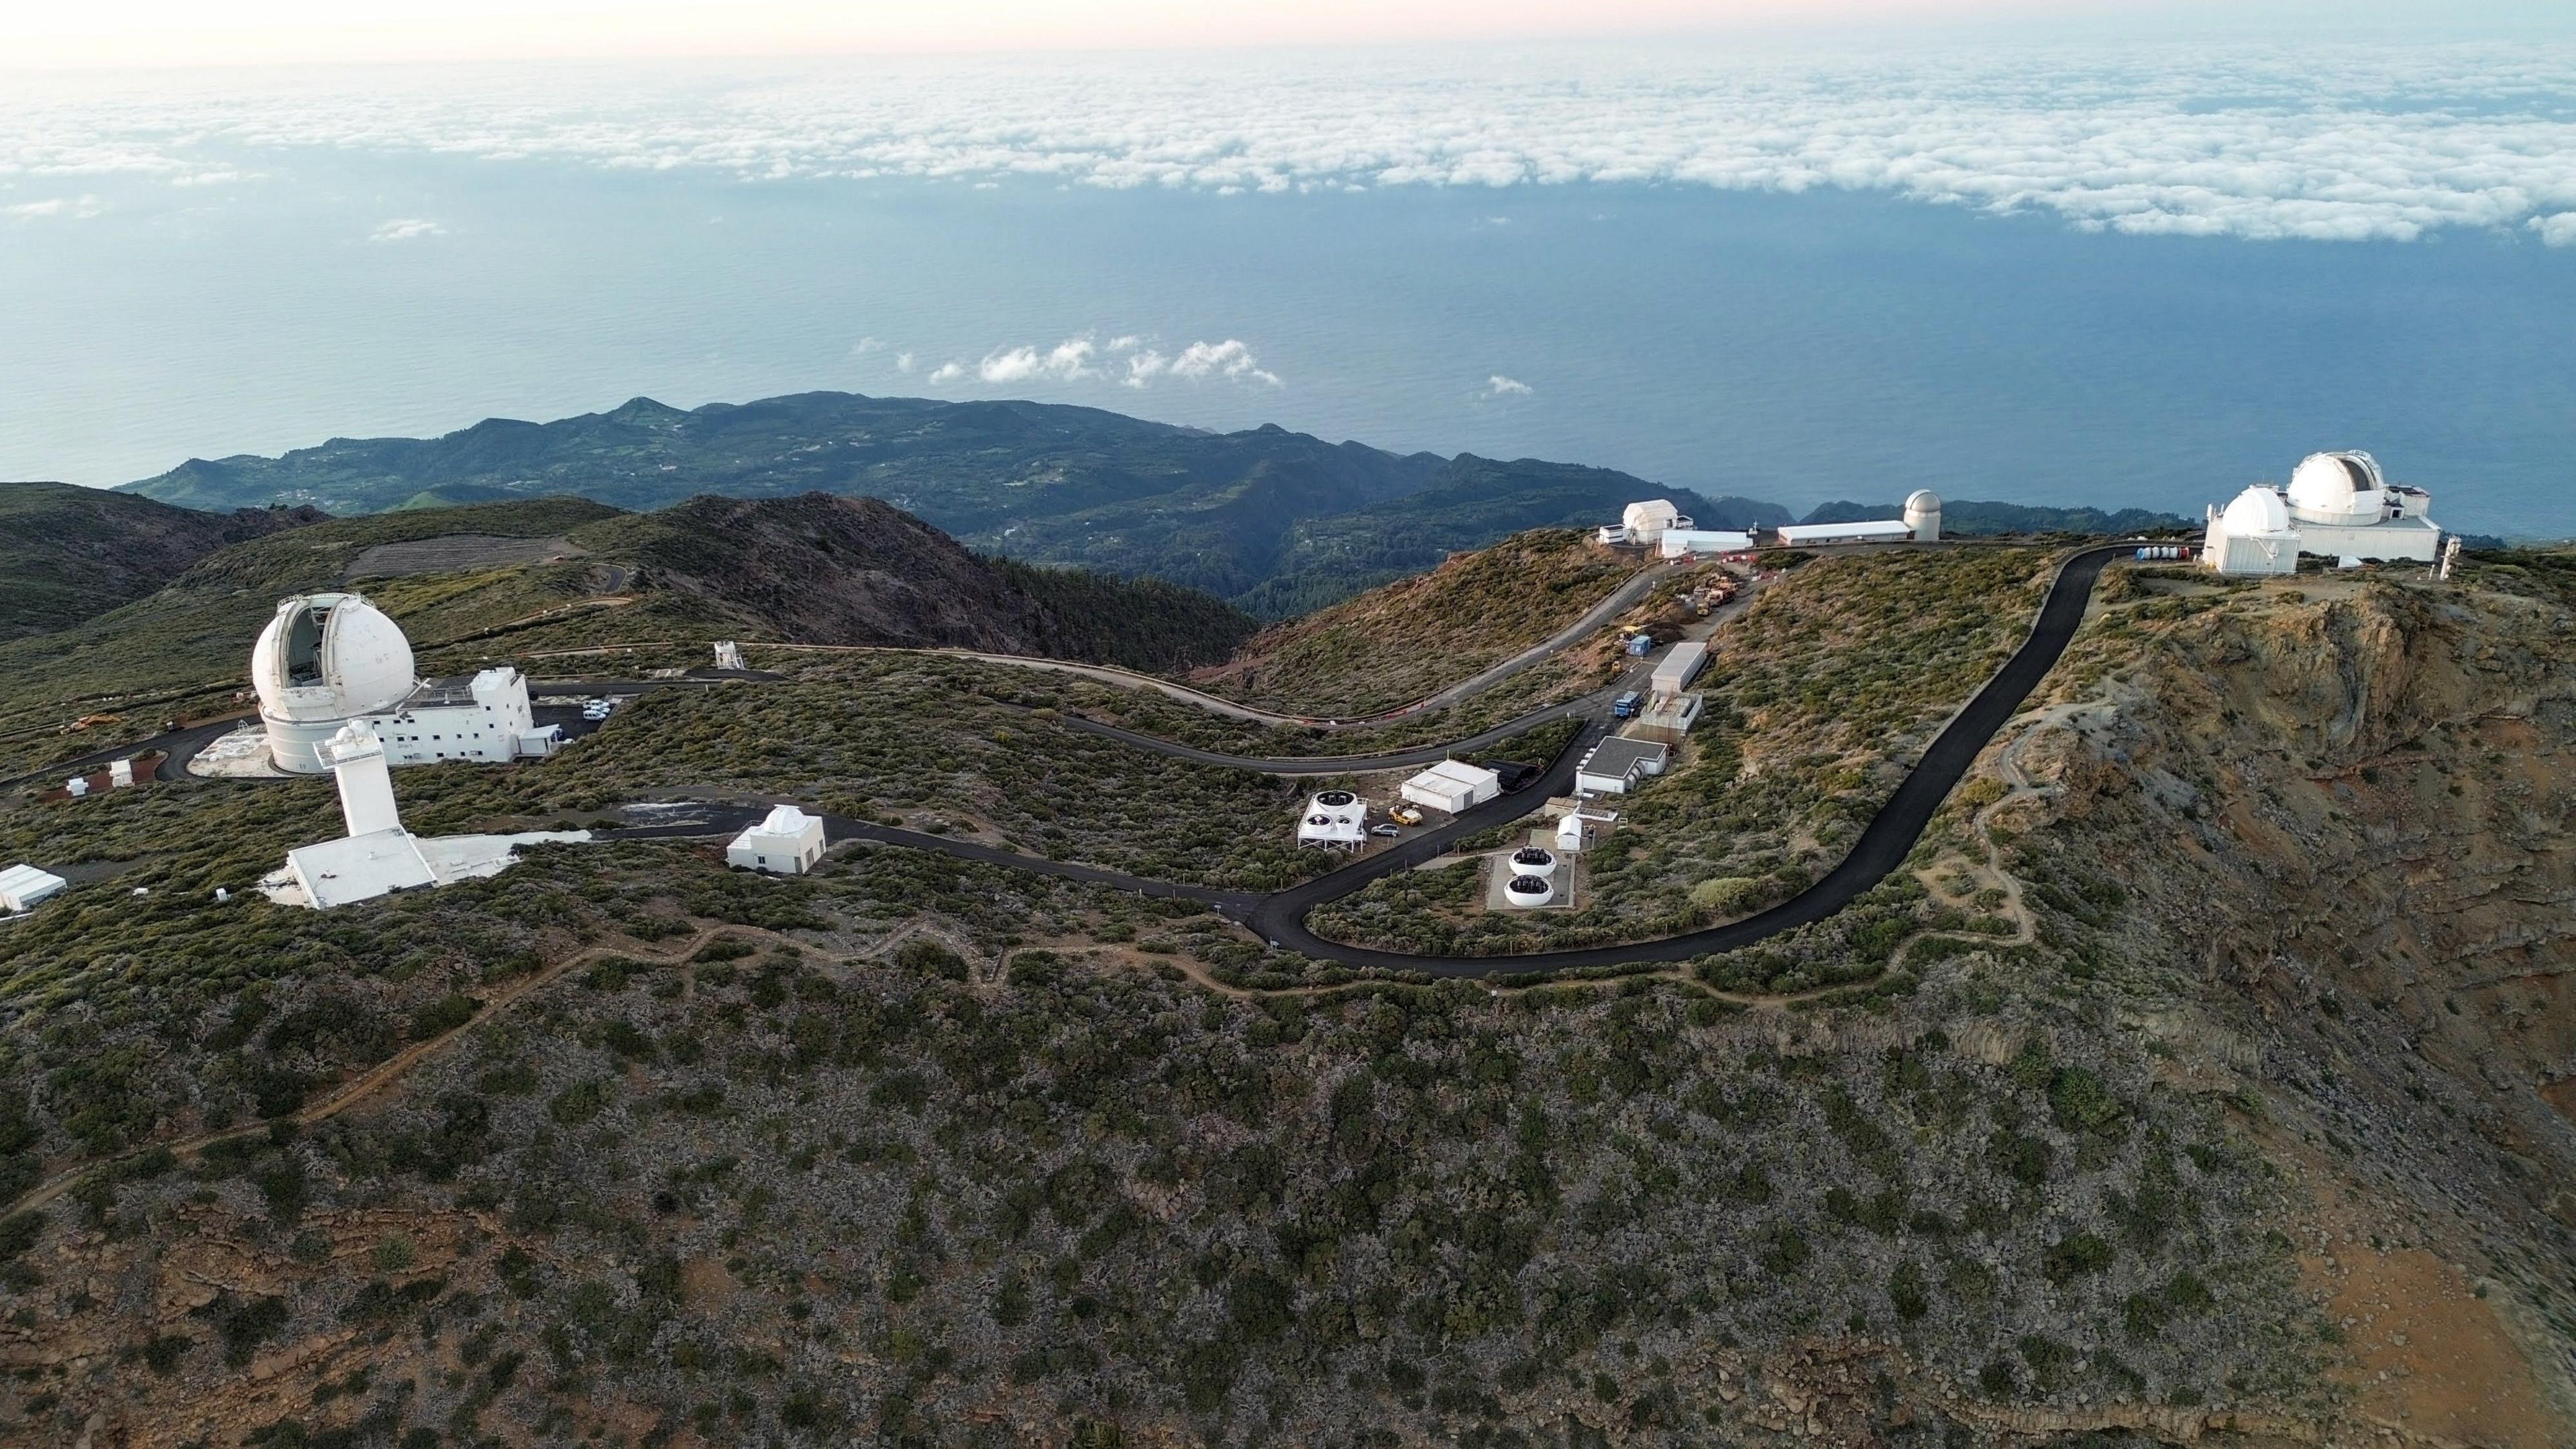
(1228, 513)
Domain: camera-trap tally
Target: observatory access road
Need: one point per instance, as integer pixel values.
(1620, 601)
(1280, 917)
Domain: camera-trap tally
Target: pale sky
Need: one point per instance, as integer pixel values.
(83, 33)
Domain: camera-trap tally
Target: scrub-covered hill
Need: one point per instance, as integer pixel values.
(67, 553)
(1403, 641)
(2209, 1088)
(488, 582)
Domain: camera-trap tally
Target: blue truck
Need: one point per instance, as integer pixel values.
(1627, 705)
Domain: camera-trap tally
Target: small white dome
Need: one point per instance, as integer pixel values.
(2257, 510)
(2338, 488)
(328, 657)
(1922, 500)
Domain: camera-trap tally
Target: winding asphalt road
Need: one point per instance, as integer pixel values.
(1280, 917)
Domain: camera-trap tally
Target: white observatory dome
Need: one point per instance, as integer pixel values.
(2258, 510)
(1922, 500)
(1923, 515)
(2343, 488)
(325, 659)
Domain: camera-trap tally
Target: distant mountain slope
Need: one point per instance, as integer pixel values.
(68, 553)
(1044, 482)
(815, 569)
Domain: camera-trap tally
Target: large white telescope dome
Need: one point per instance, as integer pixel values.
(2344, 488)
(325, 659)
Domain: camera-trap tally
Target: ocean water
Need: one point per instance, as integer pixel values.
(1827, 343)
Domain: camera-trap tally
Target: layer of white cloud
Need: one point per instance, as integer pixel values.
(1501, 386)
(405, 228)
(68, 208)
(2326, 141)
(2557, 231)
(1078, 359)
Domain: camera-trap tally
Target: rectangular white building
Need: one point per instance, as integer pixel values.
(787, 842)
(1885, 530)
(1678, 668)
(1702, 541)
(22, 886)
(1617, 765)
(1453, 785)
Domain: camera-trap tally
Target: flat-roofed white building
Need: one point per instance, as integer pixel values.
(1883, 530)
(1675, 671)
(1617, 765)
(1453, 785)
(786, 842)
(23, 886)
(1334, 820)
(1676, 542)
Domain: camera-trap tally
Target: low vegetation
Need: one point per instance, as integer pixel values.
(1820, 696)
(1397, 644)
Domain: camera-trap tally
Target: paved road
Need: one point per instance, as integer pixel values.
(1619, 602)
(1281, 917)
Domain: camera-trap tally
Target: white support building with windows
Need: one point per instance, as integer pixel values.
(1618, 765)
(786, 842)
(485, 717)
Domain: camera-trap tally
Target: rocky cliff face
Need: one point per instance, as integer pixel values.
(2341, 814)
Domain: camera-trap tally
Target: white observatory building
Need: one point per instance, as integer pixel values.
(1923, 515)
(1643, 524)
(328, 659)
(787, 841)
(2337, 504)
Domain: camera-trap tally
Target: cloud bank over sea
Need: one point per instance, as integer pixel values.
(2340, 142)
